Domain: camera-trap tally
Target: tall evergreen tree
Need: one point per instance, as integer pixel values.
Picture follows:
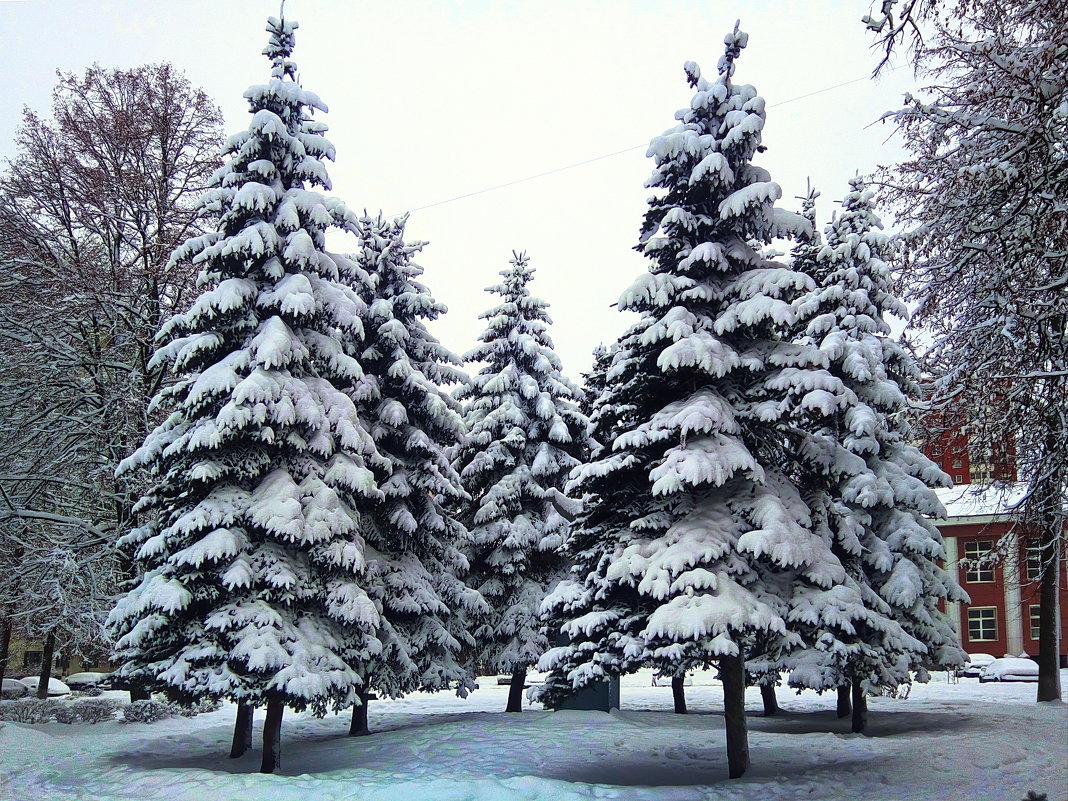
(416, 567)
(525, 435)
(868, 488)
(253, 563)
(693, 529)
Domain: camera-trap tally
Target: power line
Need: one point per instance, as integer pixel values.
(529, 177)
(620, 152)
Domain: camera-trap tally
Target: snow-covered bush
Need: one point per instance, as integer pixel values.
(150, 711)
(96, 710)
(67, 714)
(29, 710)
(200, 707)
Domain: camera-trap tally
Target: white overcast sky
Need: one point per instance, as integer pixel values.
(433, 100)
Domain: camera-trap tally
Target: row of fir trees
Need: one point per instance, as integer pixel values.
(734, 488)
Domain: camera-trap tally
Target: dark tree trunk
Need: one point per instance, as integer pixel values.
(5, 648)
(845, 708)
(358, 727)
(128, 570)
(1049, 684)
(272, 736)
(242, 730)
(732, 674)
(860, 708)
(515, 690)
(46, 665)
(678, 693)
(771, 703)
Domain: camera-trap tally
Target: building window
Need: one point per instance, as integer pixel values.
(93, 663)
(958, 479)
(31, 662)
(977, 558)
(1034, 564)
(957, 463)
(983, 624)
(1036, 616)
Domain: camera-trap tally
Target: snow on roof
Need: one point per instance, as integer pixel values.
(981, 500)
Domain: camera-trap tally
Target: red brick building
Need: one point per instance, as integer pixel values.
(999, 573)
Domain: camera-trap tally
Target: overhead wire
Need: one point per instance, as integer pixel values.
(618, 152)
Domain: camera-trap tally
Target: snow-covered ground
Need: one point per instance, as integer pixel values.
(945, 741)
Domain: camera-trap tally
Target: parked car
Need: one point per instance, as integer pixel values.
(975, 666)
(114, 682)
(13, 688)
(1011, 668)
(55, 686)
(83, 681)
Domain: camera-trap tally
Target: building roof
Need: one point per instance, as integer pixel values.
(980, 503)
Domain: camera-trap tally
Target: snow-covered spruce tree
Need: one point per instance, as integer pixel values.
(525, 433)
(594, 382)
(766, 652)
(415, 565)
(252, 560)
(692, 529)
(985, 188)
(868, 488)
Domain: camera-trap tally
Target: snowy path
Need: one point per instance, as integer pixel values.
(963, 741)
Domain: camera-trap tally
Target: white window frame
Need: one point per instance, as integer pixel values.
(992, 620)
(973, 572)
(1034, 612)
(1033, 559)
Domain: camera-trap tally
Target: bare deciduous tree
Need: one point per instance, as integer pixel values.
(92, 205)
(985, 191)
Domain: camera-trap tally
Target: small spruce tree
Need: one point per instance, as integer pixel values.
(525, 435)
(416, 567)
(869, 487)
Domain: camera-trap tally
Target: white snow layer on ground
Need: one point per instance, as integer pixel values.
(963, 741)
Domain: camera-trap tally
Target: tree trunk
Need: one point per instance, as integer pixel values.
(860, 708)
(1049, 683)
(678, 693)
(242, 730)
(5, 648)
(358, 727)
(272, 736)
(515, 690)
(771, 703)
(845, 709)
(46, 665)
(732, 674)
